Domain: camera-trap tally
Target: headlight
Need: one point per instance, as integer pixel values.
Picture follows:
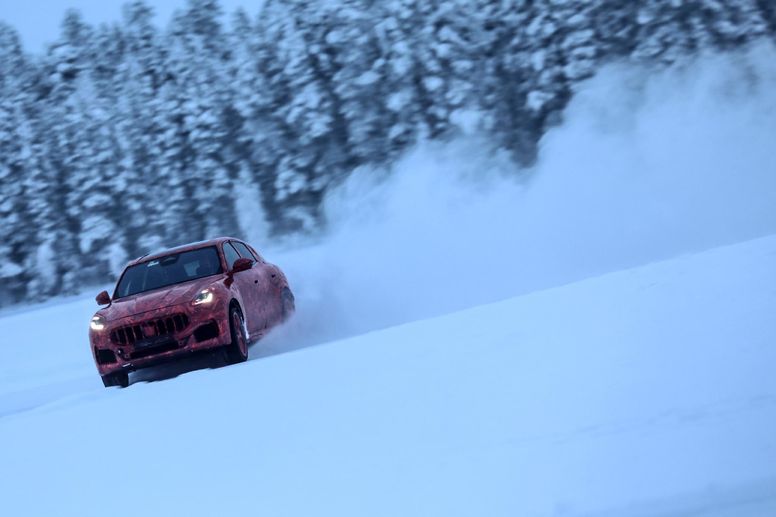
(205, 296)
(97, 323)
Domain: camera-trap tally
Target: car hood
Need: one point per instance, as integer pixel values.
(169, 296)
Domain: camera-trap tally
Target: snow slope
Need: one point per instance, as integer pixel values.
(643, 392)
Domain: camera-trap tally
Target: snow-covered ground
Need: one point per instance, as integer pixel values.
(645, 392)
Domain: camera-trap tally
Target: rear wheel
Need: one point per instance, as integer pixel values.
(237, 350)
(116, 379)
(288, 303)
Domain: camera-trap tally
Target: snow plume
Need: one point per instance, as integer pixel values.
(648, 165)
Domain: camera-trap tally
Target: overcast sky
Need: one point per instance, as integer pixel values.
(38, 20)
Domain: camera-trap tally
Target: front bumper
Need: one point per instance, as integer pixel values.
(159, 336)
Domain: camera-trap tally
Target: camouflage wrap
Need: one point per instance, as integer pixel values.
(164, 324)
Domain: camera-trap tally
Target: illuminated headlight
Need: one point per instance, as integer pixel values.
(97, 323)
(205, 296)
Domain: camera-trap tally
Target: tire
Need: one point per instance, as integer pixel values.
(116, 379)
(288, 306)
(237, 350)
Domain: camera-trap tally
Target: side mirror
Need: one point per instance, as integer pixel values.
(103, 298)
(242, 264)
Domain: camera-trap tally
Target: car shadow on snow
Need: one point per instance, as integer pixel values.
(184, 365)
(279, 341)
(297, 334)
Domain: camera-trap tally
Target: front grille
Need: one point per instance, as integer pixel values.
(130, 334)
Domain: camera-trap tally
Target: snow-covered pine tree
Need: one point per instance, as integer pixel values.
(731, 24)
(42, 220)
(67, 65)
(11, 217)
(664, 31)
(304, 110)
(350, 61)
(91, 196)
(768, 13)
(181, 217)
(615, 26)
(141, 125)
(449, 44)
(423, 69)
(13, 246)
(514, 63)
(108, 48)
(253, 138)
(396, 29)
(25, 181)
(200, 40)
(144, 51)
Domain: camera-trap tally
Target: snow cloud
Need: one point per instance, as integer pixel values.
(647, 165)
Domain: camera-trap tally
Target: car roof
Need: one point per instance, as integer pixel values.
(183, 247)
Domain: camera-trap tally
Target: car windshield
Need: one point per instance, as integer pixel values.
(168, 270)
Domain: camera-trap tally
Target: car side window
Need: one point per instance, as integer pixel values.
(244, 251)
(230, 254)
(256, 254)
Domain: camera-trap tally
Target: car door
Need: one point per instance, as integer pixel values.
(262, 281)
(275, 282)
(245, 283)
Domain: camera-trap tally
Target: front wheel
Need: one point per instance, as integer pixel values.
(116, 379)
(237, 350)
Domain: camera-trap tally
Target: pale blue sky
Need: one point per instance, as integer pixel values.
(38, 20)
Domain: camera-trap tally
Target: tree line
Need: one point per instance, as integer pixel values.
(127, 136)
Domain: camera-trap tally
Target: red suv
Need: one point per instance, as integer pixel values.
(213, 295)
